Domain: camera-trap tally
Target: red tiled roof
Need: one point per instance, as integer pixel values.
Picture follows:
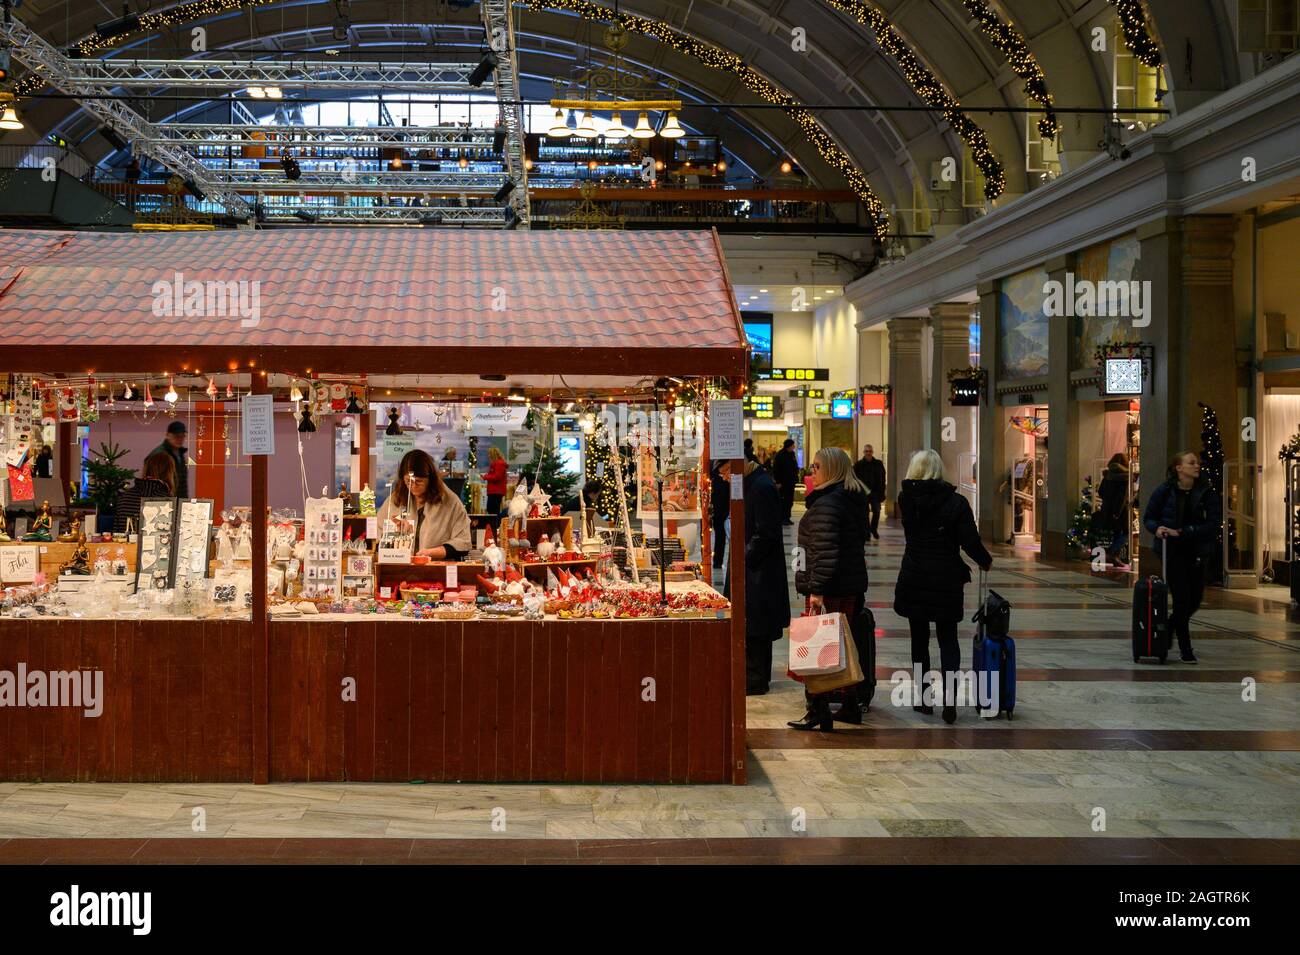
(378, 287)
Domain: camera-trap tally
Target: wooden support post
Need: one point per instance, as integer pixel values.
(736, 559)
(260, 619)
(365, 434)
(706, 501)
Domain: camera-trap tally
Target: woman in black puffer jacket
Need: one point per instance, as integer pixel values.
(938, 523)
(832, 539)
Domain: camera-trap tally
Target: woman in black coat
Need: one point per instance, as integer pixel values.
(720, 505)
(1185, 514)
(1111, 519)
(832, 542)
(938, 524)
(767, 593)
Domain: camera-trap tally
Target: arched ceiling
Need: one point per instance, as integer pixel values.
(842, 65)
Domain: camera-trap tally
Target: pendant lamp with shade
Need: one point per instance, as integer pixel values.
(643, 129)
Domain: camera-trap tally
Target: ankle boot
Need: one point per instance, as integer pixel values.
(851, 711)
(818, 717)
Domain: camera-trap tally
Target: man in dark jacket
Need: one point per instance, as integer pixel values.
(767, 593)
(721, 507)
(174, 447)
(871, 472)
(785, 471)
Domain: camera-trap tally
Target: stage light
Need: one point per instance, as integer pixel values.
(486, 64)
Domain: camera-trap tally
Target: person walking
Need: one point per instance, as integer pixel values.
(1185, 514)
(1111, 520)
(938, 525)
(495, 479)
(871, 472)
(832, 541)
(767, 593)
(173, 446)
(785, 471)
(720, 504)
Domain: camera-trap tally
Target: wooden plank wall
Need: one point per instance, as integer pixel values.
(177, 702)
(501, 701)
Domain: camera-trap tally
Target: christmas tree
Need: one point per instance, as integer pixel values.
(1212, 471)
(599, 473)
(1079, 535)
(560, 484)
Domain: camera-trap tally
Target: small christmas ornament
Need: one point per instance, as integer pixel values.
(211, 390)
(367, 501)
(148, 396)
(393, 426)
(230, 391)
(305, 424)
(353, 407)
(493, 556)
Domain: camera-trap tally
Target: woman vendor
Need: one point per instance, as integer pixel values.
(421, 503)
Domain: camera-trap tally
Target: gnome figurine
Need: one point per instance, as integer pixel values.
(519, 504)
(493, 556)
(545, 548)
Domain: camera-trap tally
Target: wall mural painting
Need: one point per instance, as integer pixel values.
(1022, 326)
(1113, 261)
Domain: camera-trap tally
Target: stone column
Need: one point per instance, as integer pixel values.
(1162, 424)
(950, 326)
(992, 511)
(907, 411)
(1063, 425)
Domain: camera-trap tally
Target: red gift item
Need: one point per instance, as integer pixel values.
(490, 586)
(512, 575)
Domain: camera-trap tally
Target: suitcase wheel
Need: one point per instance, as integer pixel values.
(1008, 715)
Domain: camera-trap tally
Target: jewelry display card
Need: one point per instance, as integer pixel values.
(323, 532)
(194, 529)
(153, 562)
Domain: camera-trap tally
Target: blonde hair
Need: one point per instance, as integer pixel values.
(926, 465)
(750, 467)
(836, 466)
(494, 454)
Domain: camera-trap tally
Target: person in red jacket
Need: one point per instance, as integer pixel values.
(496, 480)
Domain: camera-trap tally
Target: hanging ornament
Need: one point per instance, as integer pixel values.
(295, 393)
(230, 391)
(212, 388)
(171, 397)
(148, 397)
(393, 426)
(127, 393)
(353, 407)
(305, 424)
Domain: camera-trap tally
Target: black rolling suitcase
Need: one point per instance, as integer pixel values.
(1151, 636)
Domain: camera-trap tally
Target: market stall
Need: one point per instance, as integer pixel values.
(550, 666)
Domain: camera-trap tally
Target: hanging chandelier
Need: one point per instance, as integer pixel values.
(613, 87)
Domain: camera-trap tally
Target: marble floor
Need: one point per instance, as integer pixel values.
(1106, 760)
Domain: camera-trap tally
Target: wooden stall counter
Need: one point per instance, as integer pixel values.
(513, 700)
(54, 554)
(159, 700)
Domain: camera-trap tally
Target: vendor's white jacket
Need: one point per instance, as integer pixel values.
(444, 523)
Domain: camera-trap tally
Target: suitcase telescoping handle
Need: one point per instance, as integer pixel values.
(981, 623)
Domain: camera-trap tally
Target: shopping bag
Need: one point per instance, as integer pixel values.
(817, 644)
(850, 675)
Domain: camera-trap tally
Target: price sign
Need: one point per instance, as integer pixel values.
(452, 576)
(18, 564)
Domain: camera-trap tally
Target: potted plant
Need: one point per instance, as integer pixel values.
(106, 482)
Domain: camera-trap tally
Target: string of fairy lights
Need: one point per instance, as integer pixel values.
(1133, 23)
(928, 87)
(755, 82)
(1004, 36)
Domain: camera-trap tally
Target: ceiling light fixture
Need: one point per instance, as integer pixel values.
(586, 127)
(616, 129)
(559, 126)
(671, 128)
(643, 129)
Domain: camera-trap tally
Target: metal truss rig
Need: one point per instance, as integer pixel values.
(293, 137)
(500, 30)
(345, 182)
(124, 73)
(493, 217)
(70, 76)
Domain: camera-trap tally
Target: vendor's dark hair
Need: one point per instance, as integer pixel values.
(1117, 459)
(418, 463)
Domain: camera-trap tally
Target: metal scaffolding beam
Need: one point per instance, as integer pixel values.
(501, 31)
(346, 180)
(408, 137)
(69, 76)
(125, 73)
(485, 216)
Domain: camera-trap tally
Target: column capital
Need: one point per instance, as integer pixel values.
(1208, 242)
(946, 312)
(904, 336)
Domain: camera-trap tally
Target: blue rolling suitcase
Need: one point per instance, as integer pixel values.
(994, 654)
